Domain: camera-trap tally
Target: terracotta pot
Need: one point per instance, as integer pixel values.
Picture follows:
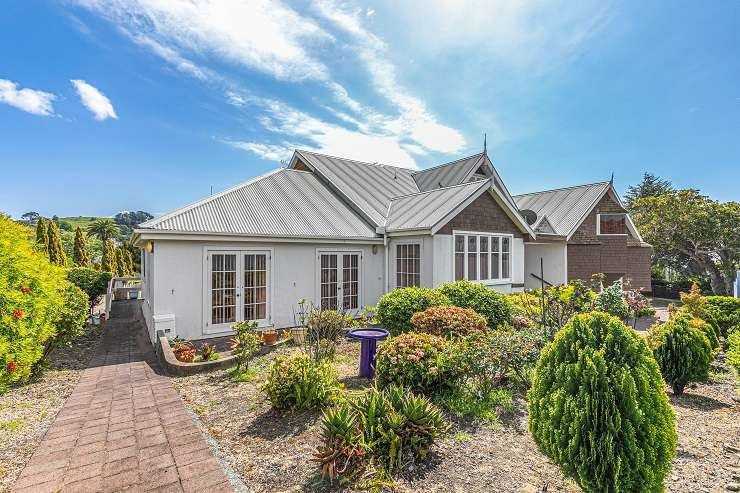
(299, 335)
(269, 338)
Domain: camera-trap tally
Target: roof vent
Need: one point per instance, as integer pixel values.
(529, 215)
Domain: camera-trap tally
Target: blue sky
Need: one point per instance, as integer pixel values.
(109, 105)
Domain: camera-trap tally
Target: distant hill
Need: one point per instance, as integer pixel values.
(81, 221)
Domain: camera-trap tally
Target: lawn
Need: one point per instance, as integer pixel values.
(271, 450)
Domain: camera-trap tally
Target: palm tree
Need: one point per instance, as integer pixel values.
(103, 228)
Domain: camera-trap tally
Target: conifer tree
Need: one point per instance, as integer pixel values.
(108, 262)
(81, 254)
(42, 239)
(120, 263)
(129, 262)
(56, 252)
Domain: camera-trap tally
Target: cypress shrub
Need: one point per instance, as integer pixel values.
(683, 353)
(81, 255)
(727, 311)
(42, 238)
(108, 262)
(598, 407)
(129, 262)
(396, 308)
(488, 302)
(56, 251)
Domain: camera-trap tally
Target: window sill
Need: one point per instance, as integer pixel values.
(493, 282)
(612, 234)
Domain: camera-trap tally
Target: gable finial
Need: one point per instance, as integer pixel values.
(611, 180)
(485, 147)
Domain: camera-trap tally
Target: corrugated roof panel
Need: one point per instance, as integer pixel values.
(283, 203)
(447, 175)
(564, 207)
(369, 186)
(425, 209)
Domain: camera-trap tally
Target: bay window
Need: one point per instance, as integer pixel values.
(482, 257)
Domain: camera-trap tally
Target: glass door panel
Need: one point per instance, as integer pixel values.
(329, 281)
(350, 281)
(255, 286)
(223, 288)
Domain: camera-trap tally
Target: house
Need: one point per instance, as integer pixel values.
(341, 233)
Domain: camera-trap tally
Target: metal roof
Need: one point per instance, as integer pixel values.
(564, 208)
(369, 186)
(448, 174)
(424, 210)
(285, 202)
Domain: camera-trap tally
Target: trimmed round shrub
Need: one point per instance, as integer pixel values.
(489, 303)
(726, 311)
(707, 329)
(598, 407)
(733, 350)
(396, 308)
(448, 321)
(31, 302)
(683, 353)
(416, 361)
(298, 382)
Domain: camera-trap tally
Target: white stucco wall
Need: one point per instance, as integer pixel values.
(554, 256)
(178, 282)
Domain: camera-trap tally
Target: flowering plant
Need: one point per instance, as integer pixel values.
(417, 361)
(448, 321)
(184, 351)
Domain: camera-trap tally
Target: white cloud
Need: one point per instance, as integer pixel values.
(267, 151)
(94, 100)
(173, 57)
(28, 100)
(415, 120)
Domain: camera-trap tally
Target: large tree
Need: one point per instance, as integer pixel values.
(30, 217)
(108, 262)
(104, 228)
(686, 227)
(650, 186)
(56, 251)
(81, 255)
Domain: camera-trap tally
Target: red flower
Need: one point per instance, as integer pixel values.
(11, 367)
(25, 289)
(18, 314)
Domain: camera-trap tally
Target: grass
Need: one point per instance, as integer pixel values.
(12, 425)
(469, 405)
(81, 221)
(202, 409)
(461, 436)
(240, 375)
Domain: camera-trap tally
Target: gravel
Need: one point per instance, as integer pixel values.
(27, 411)
(271, 450)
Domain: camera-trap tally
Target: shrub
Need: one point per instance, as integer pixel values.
(707, 329)
(683, 353)
(525, 304)
(31, 302)
(610, 300)
(244, 344)
(726, 310)
(598, 408)
(489, 303)
(384, 429)
(70, 323)
(184, 351)
(733, 351)
(421, 362)
(325, 327)
(93, 282)
(448, 321)
(298, 382)
(396, 308)
(696, 305)
(208, 352)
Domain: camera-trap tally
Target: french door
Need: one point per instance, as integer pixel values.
(238, 288)
(339, 281)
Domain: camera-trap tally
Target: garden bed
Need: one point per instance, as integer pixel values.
(27, 411)
(271, 450)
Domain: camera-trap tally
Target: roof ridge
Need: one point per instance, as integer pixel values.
(378, 164)
(476, 182)
(446, 164)
(205, 200)
(563, 188)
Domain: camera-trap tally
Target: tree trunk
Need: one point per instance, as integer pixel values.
(677, 388)
(716, 279)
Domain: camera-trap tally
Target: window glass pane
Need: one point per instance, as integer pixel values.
(484, 257)
(223, 288)
(612, 224)
(495, 248)
(459, 266)
(408, 265)
(505, 258)
(459, 243)
(472, 258)
(328, 281)
(350, 281)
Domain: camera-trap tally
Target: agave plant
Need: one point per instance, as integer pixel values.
(343, 450)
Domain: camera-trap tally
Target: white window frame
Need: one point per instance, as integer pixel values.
(598, 224)
(208, 327)
(340, 274)
(491, 237)
(396, 244)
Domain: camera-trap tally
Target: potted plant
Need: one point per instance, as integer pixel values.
(301, 318)
(269, 337)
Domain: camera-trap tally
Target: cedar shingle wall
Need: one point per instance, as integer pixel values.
(590, 254)
(483, 214)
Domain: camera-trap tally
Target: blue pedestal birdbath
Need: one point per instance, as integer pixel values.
(368, 337)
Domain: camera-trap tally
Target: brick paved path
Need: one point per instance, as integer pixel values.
(124, 427)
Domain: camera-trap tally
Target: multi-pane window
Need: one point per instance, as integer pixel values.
(223, 288)
(480, 257)
(612, 224)
(350, 281)
(408, 265)
(328, 281)
(255, 286)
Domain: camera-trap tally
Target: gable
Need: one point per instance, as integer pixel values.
(484, 214)
(586, 231)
